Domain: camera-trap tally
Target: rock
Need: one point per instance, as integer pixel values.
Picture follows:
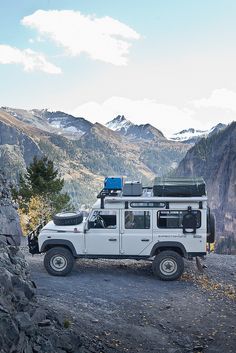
(23, 286)
(173, 350)
(5, 280)
(24, 326)
(10, 226)
(94, 321)
(37, 348)
(23, 320)
(198, 348)
(9, 332)
(44, 323)
(39, 315)
(3, 310)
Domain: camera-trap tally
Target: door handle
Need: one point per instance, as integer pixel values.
(145, 239)
(112, 239)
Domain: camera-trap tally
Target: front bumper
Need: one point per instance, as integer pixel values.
(33, 239)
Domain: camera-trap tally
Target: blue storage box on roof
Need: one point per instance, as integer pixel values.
(113, 183)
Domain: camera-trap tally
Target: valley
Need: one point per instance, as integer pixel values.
(85, 153)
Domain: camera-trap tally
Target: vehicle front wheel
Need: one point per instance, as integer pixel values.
(168, 265)
(59, 261)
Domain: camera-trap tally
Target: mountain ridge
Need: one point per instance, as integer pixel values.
(192, 135)
(84, 161)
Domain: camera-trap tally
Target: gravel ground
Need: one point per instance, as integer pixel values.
(118, 306)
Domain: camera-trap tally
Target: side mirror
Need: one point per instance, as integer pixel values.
(86, 226)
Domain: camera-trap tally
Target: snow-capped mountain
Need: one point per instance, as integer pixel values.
(191, 135)
(120, 123)
(68, 124)
(52, 122)
(188, 135)
(133, 131)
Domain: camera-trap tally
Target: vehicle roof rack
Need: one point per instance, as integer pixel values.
(179, 187)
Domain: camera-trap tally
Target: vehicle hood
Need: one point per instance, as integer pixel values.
(51, 226)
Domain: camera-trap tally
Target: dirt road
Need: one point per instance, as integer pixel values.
(118, 306)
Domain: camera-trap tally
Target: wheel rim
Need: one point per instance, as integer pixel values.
(168, 266)
(58, 262)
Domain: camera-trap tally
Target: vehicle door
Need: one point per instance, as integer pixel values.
(169, 227)
(136, 231)
(102, 236)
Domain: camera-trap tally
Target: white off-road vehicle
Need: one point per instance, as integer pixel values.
(132, 222)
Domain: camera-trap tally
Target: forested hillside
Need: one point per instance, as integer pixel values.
(84, 153)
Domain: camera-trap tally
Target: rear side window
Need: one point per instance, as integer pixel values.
(174, 219)
(137, 219)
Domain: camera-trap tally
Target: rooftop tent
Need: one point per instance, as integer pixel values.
(181, 187)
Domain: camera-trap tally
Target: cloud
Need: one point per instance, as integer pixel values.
(219, 98)
(168, 118)
(35, 40)
(31, 60)
(104, 39)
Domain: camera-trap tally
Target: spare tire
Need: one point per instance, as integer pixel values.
(68, 218)
(210, 228)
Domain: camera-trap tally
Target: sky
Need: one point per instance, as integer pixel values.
(171, 63)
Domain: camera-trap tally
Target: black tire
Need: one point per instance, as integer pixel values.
(168, 265)
(211, 228)
(68, 218)
(59, 261)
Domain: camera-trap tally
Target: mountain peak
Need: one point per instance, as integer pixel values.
(119, 123)
(133, 131)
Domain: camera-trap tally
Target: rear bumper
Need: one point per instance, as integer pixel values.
(195, 254)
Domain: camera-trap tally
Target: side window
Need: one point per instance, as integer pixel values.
(174, 219)
(137, 219)
(103, 219)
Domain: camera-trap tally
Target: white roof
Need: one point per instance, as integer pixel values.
(119, 201)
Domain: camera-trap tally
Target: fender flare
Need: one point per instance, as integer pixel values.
(168, 244)
(58, 242)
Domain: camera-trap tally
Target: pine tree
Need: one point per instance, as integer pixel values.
(41, 178)
(39, 190)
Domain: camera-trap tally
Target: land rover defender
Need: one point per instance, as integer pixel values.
(164, 223)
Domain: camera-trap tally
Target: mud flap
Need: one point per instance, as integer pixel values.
(199, 265)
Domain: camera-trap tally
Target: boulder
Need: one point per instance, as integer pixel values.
(10, 230)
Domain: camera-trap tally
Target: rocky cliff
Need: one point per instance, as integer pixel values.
(10, 231)
(24, 325)
(214, 158)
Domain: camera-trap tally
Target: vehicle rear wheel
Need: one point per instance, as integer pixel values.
(168, 265)
(59, 261)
